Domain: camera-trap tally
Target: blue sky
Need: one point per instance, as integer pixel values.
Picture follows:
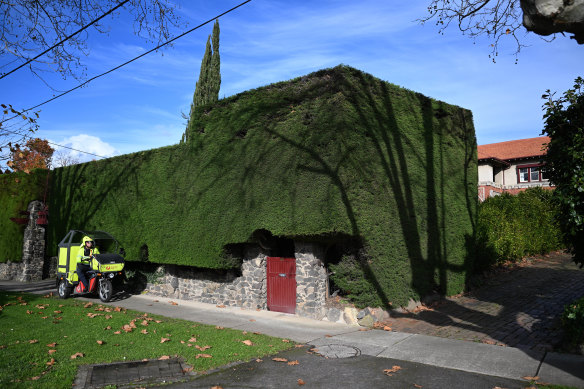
(139, 106)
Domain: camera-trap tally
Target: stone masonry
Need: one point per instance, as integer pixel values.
(33, 251)
(250, 289)
(247, 290)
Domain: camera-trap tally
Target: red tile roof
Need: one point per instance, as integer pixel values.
(521, 148)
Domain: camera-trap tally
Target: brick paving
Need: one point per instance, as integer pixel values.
(520, 307)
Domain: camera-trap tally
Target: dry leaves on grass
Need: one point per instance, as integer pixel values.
(100, 342)
(164, 357)
(394, 369)
(285, 341)
(219, 328)
(144, 332)
(127, 328)
(164, 340)
(51, 351)
(117, 332)
(92, 315)
(144, 323)
(77, 355)
(193, 339)
(203, 356)
(32, 341)
(51, 362)
(202, 348)
(247, 342)
(88, 305)
(108, 328)
(57, 312)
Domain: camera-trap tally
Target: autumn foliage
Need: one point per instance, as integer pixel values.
(36, 154)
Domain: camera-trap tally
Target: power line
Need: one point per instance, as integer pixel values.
(130, 61)
(66, 39)
(55, 144)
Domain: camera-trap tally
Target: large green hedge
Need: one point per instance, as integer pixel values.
(334, 153)
(511, 227)
(17, 190)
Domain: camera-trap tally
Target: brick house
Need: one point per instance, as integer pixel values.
(511, 166)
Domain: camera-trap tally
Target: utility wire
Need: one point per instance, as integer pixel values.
(130, 61)
(55, 144)
(65, 39)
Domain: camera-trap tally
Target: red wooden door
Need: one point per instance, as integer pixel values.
(281, 284)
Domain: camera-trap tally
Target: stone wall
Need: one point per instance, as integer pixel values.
(247, 290)
(33, 251)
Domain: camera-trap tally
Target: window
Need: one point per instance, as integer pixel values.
(531, 173)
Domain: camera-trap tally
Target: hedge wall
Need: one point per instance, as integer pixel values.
(17, 190)
(512, 227)
(337, 152)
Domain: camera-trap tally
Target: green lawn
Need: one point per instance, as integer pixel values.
(43, 340)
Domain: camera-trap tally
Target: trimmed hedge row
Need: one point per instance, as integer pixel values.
(17, 190)
(335, 153)
(512, 227)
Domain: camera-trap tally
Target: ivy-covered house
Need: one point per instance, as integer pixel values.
(336, 180)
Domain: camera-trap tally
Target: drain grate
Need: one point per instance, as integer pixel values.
(338, 351)
(95, 376)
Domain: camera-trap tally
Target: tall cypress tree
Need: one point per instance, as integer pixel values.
(209, 83)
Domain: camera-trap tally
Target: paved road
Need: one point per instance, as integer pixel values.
(517, 308)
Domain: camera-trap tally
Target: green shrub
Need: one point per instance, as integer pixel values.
(512, 227)
(334, 152)
(17, 190)
(573, 322)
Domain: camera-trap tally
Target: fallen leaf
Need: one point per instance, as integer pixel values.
(328, 336)
(202, 348)
(259, 360)
(144, 332)
(158, 321)
(107, 317)
(127, 328)
(219, 327)
(100, 342)
(387, 328)
(164, 357)
(257, 333)
(300, 381)
(51, 351)
(52, 344)
(418, 386)
(203, 356)
(187, 369)
(44, 317)
(117, 332)
(29, 312)
(172, 303)
(292, 363)
(51, 362)
(163, 340)
(251, 319)
(117, 309)
(247, 342)
(36, 378)
(488, 341)
(155, 301)
(57, 311)
(144, 322)
(220, 306)
(87, 305)
(216, 387)
(108, 328)
(33, 341)
(394, 369)
(285, 341)
(299, 345)
(77, 355)
(528, 378)
(279, 359)
(193, 339)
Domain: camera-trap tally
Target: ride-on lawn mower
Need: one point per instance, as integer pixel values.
(107, 268)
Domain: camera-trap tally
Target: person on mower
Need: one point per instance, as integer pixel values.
(86, 252)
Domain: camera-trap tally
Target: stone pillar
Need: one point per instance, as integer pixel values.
(33, 247)
(310, 280)
(252, 285)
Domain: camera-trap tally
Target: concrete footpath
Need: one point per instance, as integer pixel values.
(470, 357)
